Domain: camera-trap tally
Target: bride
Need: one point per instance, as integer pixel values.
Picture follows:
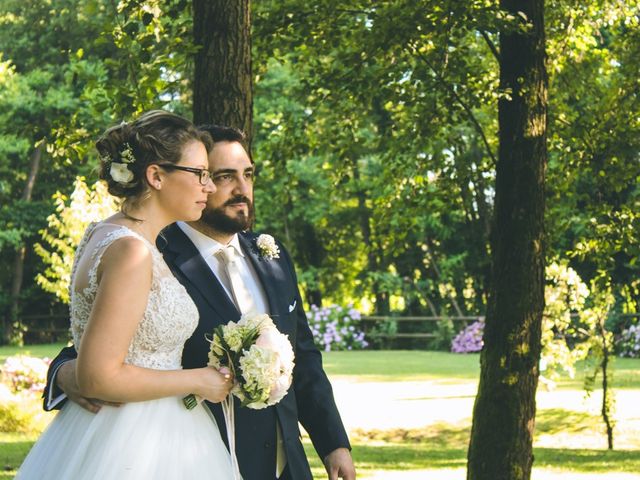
(131, 317)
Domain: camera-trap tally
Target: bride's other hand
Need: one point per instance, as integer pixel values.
(215, 385)
(66, 381)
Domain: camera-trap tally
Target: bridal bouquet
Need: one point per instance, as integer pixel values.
(261, 360)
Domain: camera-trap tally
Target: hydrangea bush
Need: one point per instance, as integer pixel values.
(469, 340)
(22, 373)
(336, 328)
(628, 343)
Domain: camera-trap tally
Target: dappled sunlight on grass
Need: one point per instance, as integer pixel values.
(557, 420)
(588, 460)
(435, 435)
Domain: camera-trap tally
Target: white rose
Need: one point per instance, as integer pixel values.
(120, 173)
(271, 338)
(258, 321)
(279, 389)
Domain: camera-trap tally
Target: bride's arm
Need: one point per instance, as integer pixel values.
(125, 275)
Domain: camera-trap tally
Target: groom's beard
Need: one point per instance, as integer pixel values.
(217, 219)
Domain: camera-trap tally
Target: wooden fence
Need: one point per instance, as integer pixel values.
(54, 328)
(427, 323)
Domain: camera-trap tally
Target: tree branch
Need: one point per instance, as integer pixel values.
(458, 99)
(491, 45)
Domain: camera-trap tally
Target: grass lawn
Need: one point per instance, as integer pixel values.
(433, 393)
(49, 350)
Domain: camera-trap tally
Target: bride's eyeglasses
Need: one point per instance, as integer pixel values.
(203, 173)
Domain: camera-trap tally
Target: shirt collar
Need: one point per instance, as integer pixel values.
(206, 244)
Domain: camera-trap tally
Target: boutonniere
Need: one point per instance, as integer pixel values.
(267, 246)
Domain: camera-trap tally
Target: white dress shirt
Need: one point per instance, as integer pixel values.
(208, 247)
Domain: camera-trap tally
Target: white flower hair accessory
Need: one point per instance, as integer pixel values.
(120, 171)
(267, 246)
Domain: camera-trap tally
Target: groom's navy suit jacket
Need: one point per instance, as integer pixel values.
(310, 398)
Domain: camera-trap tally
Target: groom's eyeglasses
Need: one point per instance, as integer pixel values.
(203, 173)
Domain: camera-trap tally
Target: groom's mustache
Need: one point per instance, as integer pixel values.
(237, 199)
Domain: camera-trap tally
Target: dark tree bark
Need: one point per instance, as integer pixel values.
(12, 316)
(222, 85)
(504, 411)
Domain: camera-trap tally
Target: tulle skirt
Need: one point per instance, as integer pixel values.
(158, 439)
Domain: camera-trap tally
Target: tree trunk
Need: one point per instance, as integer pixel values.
(12, 317)
(504, 411)
(382, 304)
(222, 84)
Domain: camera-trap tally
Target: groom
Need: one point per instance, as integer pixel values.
(268, 442)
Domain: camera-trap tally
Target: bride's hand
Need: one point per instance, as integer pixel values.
(215, 385)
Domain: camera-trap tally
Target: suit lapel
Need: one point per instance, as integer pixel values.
(184, 257)
(269, 273)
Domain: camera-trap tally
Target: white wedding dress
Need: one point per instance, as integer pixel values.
(157, 439)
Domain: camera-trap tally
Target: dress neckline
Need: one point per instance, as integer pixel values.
(120, 227)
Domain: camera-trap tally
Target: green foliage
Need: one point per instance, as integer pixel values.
(375, 135)
(388, 114)
(66, 227)
(380, 336)
(68, 70)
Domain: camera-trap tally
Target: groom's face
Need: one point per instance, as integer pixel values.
(230, 207)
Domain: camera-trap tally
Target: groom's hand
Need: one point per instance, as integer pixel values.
(339, 464)
(66, 381)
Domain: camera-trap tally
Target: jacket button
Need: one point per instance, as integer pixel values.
(267, 444)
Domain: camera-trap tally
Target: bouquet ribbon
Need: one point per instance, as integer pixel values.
(229, 423)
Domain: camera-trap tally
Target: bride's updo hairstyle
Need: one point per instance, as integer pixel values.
(126, 151)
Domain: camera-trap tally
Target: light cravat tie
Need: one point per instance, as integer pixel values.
(241, 295)
(244, 301)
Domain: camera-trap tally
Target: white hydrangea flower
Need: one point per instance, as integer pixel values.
(260, 371)
(267, 246)
(233, 336)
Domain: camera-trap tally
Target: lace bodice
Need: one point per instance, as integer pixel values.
(170, 316)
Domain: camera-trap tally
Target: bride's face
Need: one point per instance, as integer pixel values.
(183, 194)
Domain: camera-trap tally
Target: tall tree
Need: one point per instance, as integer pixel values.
(504, 411)
(222, 85)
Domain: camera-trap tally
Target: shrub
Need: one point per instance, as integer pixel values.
(14, 419)
(443, 335)
(336, 328)
(382, 334)
(469, 340)
(22, 412)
